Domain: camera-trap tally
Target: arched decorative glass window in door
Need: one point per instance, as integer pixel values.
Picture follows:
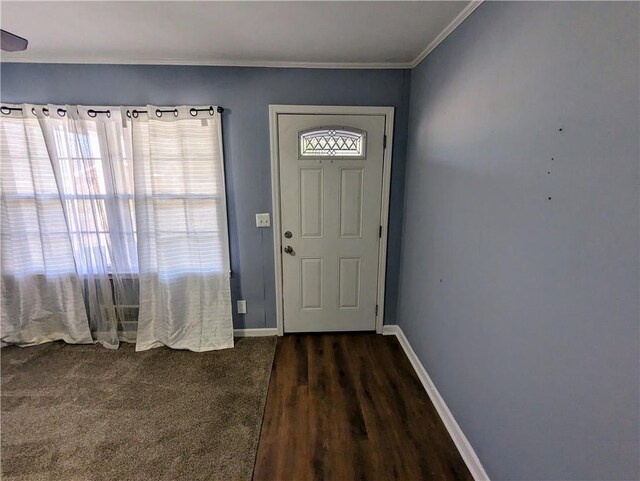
(332, 142)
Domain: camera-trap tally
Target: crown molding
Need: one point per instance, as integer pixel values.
(206, 63)
(468, 10)
(461, 17)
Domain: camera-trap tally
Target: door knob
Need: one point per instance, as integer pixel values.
(288, 250)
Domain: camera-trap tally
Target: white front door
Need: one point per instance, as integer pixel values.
(330, 199)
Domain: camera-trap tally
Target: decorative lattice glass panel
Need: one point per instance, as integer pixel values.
(334, 142)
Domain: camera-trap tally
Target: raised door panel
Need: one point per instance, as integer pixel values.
(349, 283)
(351, 202)
(311, 202)
(311, 279)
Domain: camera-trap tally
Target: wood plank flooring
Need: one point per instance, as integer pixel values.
(350, 407)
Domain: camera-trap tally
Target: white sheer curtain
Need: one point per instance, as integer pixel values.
(107, 209)
(185, 299)
(90, 152)
(41, 290)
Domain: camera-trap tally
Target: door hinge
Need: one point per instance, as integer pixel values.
(384, 142)
(376, 310)
(380, 232)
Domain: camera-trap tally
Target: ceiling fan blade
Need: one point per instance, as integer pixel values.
(12, 43)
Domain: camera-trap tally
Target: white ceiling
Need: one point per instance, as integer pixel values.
(306, 34)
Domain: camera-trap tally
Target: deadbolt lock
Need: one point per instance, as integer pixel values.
(288, 234)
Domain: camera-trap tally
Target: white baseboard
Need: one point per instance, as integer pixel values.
(263, 332)
(462, 443)
(390, 330)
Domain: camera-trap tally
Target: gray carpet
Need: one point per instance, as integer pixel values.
(87, 413)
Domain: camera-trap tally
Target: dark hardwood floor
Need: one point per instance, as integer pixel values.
(350, 407)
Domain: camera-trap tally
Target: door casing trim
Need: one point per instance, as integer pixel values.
(274, 111)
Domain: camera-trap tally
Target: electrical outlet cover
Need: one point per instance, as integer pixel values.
(242, 307)
(263, 220)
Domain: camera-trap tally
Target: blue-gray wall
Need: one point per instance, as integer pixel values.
(245, 93)
(519, 276)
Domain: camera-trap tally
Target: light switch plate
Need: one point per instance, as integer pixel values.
(242, 307)
(263, 220)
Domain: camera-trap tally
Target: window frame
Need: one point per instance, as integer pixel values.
(336, 128)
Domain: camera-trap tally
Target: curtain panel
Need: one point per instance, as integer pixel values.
(183, 247)
(137, 202)
(91, 159)
(41, 291)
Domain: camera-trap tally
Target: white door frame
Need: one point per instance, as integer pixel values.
(274, 111)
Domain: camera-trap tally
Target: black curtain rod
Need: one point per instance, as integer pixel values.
(92, 113)
(193, 111)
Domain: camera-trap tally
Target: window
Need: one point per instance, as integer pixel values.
(95, 181)
(180, 198)
(332, 142)
(69, 181)
(118, 220)
(34, 231)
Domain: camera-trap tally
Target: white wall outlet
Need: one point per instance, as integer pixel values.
(242, 307)
(263, 220)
